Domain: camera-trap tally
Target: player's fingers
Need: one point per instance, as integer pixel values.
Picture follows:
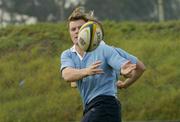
(127, 63)
(133, 66)
(97, 64)
(98, 71)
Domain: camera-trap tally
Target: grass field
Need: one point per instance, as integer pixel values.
(32, 90)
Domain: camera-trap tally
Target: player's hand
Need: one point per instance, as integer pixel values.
(121, 84)
(127, 68)
(93, 69)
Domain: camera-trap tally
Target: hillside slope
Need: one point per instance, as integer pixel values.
(32, 89)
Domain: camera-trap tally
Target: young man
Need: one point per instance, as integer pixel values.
(96, 73)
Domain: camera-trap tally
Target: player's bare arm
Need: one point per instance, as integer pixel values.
(72, 74)
(132, 74)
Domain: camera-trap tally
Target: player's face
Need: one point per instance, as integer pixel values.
(74, 27)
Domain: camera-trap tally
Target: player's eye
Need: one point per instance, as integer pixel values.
(73, 29)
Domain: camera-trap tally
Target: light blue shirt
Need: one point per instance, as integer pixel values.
(127, 56)
(100, 84)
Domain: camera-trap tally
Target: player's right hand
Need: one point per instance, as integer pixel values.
(93, 69)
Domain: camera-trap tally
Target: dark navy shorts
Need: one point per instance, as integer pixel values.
(102, 109)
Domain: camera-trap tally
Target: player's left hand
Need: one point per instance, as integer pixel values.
(120, 84)
(127, 68)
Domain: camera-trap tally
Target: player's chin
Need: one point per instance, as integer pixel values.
(75, 41)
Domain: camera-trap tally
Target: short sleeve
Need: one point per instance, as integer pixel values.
(114, 59)
(66, 60)
(126, 55)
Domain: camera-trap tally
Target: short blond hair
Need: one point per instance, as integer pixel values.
(80, 13)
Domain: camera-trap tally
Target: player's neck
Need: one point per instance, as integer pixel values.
(79, 50)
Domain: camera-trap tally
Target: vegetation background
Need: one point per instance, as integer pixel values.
(31, 11)
(32, 90)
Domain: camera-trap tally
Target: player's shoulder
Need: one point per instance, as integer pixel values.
(105, 46)
(66, 52)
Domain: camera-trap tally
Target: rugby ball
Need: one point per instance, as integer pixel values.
(90, 36)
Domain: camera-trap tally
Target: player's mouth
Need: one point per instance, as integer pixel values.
(75, 38)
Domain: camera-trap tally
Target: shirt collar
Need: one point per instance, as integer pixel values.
(73, 49)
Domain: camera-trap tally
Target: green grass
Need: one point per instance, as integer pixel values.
(32, 54)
